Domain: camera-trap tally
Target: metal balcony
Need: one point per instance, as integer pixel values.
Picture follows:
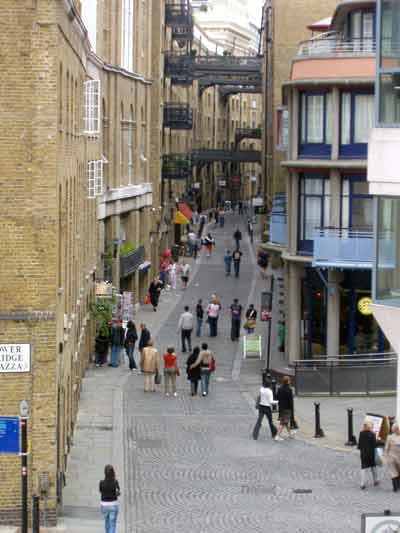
(129, 263)
(178, 116)
(176, 167)
(228, 90)
(345, 248)
(334, 44)
(180, 18)
(247, 133)
(205, 156)
(179, 67)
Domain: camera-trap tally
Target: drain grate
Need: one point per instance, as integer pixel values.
(257, 489)
(302, 491)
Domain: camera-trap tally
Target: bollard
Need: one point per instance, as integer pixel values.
(318, 431)
(351, 439)
(35, 514)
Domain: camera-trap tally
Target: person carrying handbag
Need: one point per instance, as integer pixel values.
(149, 364)
(170, 371)
(251, 319)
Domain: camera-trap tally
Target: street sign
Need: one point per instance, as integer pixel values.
(9, 434)
(15, 358)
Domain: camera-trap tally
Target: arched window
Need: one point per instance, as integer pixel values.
(121, 145)
(130, 146)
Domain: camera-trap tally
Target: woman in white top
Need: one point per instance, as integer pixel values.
(213, 310)
(265, 401)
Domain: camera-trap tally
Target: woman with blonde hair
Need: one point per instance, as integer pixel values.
(367, 446)
(391, 455)
(150, 365)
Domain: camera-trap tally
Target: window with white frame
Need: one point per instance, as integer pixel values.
(316, 124)
(282, 129)
(127, 35)
(95, 178)
(92, 107)
(130, 147)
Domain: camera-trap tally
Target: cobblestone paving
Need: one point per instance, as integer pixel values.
(191, 466)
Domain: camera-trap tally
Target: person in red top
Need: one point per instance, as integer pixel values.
(170, 371)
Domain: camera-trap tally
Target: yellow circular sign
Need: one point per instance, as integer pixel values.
(364, 306)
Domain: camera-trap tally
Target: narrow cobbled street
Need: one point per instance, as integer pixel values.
(191, 464)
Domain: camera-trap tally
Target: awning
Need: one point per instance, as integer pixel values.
(143, 267)
(180, 218)
(185, 210)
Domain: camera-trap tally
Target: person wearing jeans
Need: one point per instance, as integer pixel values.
(264, 406)
(117, 341)
(185, 325)
(109, 490)
(204, 361)
(130, 340)
(213, 310)
(199, 317)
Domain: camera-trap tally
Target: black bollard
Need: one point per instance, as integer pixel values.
(35, 514)
(351, 439)
(318, 431)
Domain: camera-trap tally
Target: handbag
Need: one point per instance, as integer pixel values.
(178, 372)
(213, 365)
(250, 323)
(157, 378)
(148, 301)
(378, 456)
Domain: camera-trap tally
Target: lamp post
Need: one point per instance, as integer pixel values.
(24, 413)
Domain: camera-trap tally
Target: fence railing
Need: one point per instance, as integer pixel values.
(343, 246)
(335, 44)
(348, 374)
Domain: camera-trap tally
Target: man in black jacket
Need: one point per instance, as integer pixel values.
(144, 337)
(117, 341)
(238, 237)
(130, 340)
(285, 406)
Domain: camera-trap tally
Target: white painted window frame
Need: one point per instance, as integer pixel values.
(95, 178)
(91, 116)
(127, 35)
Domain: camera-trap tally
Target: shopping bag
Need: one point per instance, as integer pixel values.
(148, 301)
(157, 378)
(378, 456)
(213, 365)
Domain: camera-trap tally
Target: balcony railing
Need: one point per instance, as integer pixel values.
(333, 44)
(129, 263)
(278, 220)
(247, 133)
(178, 116)
(176, 167)
(232, 64)
(238, 156)
(343, 247)
(179, 67)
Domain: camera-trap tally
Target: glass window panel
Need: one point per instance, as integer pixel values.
(387, 273)
(389, 104)
(345, 118)
(363, 117)
(313, 207)
(368, 26)
(355, 19)
(303, 118)
(327, 211)
(361, 214)
(315, 119)
(328, 120)
(313, 186)
(390, 34)
(345, 221)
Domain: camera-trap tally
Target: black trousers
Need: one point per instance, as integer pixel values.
(186, 335)
(263, 410)
(235, 329)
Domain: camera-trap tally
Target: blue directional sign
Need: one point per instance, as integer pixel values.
(9, 434)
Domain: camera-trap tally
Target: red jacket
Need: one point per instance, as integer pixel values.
(169, 360)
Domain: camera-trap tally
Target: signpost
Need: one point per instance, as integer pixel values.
(15, 358)
(24, 412)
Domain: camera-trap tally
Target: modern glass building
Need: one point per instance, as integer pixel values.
(384, 174)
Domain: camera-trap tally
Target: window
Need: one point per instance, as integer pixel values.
(356, 204)
(361, 30)
(387, 267)
(92, 107)
(282, 129)
(127, 35)
(357, 118)
(314, 209)
(95, 178)
(254, 104)
(315, 124)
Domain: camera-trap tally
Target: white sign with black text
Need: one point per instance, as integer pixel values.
(15, 358)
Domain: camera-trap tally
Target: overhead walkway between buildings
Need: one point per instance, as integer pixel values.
(247, 133)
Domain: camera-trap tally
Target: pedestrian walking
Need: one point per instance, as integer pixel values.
(213, 310)
(237, 236)
(144, 337)
(367, 447)
(117, 342)
(109, 493)
(150, 366)
(250, 229)
(185, 273)
(236, 257)
(172, 275)
(240, 208)
(221, 218)
(209, 243)
(228, 262)
(193, 373)
(391, 455)
(185, 326)
(205, 361)
(131, 337)
(203, 221)
(264, 404)
(236, 318)
(170, 371)
(191, 242)
(281, 335)
(251, 319)
(285, 406)
(196, 217)
(101, 348)
(199, 317)
(155, 290)
(196, 247)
